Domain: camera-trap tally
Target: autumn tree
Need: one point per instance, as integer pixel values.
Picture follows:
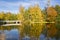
(2, 15)
(51, 16)
(7, 16)
(20, 16)
(36, 19)
(32, 21)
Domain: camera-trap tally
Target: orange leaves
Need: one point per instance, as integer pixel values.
(51, 15)
(52, 31)
(51, 12)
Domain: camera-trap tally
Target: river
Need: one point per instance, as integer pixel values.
(14, 35)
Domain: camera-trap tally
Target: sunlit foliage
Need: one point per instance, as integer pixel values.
(33, 20)
(1, 15)
(51, 16)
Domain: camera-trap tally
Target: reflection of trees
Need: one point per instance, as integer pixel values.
(53, 17)
(33, 14)
(31, 19)
(57, 8)
(8, 27)
(51, 27)
(4, 28)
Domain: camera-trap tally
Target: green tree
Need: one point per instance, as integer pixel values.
(57, 8)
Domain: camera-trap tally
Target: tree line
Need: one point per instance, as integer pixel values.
(34, 21)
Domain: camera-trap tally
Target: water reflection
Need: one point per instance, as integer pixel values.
(14, 35)
(10, 35)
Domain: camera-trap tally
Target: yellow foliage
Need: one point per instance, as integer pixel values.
(19, 16)
(7, 16)
(1, 15)
(32, 21)
(21, 9)
(36, 19)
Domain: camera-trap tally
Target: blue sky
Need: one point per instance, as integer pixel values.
(13, 5)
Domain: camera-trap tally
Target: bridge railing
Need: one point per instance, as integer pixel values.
(10, 22)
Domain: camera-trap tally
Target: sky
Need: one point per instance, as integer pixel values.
(13, 5)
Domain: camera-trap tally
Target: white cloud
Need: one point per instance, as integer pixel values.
(7, 4)
(14, 6)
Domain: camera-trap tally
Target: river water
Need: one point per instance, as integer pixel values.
(14, 35)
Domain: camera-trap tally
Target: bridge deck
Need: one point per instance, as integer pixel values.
(11, 24)
(11, 21)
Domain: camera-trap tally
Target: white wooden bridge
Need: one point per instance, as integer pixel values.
(10, 23)
(16, 22)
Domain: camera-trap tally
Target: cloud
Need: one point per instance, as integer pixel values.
(9, 6)
(13, 6)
